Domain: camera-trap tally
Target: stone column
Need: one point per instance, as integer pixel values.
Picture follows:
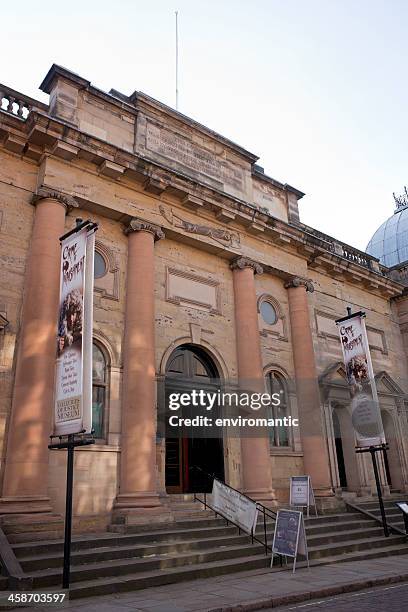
(138, 485)
(256, 463)
(315, 455)
(26, 467)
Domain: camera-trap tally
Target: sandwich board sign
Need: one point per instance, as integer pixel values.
(289, 538)
(301, 493)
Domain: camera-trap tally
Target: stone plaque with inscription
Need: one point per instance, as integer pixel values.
(179, 149)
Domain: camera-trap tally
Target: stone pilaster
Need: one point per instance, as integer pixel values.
(256, 464)
(26, 468)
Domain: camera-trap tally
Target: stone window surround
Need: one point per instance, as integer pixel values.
(289, 450)
(268, 330)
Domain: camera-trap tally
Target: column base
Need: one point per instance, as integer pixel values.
(146, 499)
(267, 497)
(25, 504)
(129, 511)
(327, 501)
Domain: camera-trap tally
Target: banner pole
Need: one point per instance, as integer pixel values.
(379, 493)
(68, 512)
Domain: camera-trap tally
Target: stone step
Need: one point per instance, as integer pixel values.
(177, 532)
(350, 546)
(362, 555)
(121, 567)
(143, 580)
(130, 582)
(34, 558)
(47, 560)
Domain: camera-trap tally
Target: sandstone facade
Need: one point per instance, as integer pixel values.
(115, 159)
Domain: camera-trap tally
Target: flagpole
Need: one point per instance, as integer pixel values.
(177, 93)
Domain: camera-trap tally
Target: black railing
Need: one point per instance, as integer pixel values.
(266, 512)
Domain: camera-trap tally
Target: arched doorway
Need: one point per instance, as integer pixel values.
(189, 458)
(341, 466)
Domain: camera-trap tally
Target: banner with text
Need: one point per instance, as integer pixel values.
(73, 393)
(365, 410)
(234, 506)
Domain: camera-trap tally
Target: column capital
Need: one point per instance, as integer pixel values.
(244, 262)
(139, 225)
(298, 281)
(43, 193)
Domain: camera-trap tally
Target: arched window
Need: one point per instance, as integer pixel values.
(278, 435)
(99, 380)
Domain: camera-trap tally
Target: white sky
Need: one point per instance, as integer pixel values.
(314, 87)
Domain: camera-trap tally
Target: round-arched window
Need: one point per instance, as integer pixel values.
(98, 390)
(268, 313)
(279, 434)
(100, 267)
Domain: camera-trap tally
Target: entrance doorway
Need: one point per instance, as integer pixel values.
(341, 466)
(188, 459)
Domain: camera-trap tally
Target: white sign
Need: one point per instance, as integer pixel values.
(365, 410)
(73, 387)
(289, 538)
(301, 492)
(234, 506)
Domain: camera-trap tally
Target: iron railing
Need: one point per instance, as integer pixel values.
(266, 512)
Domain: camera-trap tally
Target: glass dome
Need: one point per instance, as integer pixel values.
(390, 242)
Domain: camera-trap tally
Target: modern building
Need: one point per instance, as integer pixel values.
(203, 271)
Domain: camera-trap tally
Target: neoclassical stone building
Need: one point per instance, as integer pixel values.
(203, 271)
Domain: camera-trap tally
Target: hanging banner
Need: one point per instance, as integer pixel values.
(365, 409)
(234, 506)
(73, 384)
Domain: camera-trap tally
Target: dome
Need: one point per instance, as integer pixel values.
(390, 242)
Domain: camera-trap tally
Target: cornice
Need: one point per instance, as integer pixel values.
(42, 135)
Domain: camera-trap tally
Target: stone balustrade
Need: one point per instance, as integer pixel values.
(17, 104)
(319, 239)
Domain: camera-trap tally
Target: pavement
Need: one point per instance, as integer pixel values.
(256, 590)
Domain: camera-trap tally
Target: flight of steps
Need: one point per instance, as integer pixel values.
(392, 512)
(195, 547)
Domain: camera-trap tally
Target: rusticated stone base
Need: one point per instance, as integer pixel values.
(29, 527)
(127, 517)
(329, 504)
(25, 505)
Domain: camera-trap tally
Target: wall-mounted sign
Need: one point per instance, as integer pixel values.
(234, 506)
(289, 538)
(365, 410)
(301, 493)
(73, 385)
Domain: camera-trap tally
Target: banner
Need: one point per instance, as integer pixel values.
(234, 506)
(73, 385)
(365, 410)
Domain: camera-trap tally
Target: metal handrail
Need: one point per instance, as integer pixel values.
(266, 512)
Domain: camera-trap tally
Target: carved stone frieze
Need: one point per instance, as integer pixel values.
(216, 233)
